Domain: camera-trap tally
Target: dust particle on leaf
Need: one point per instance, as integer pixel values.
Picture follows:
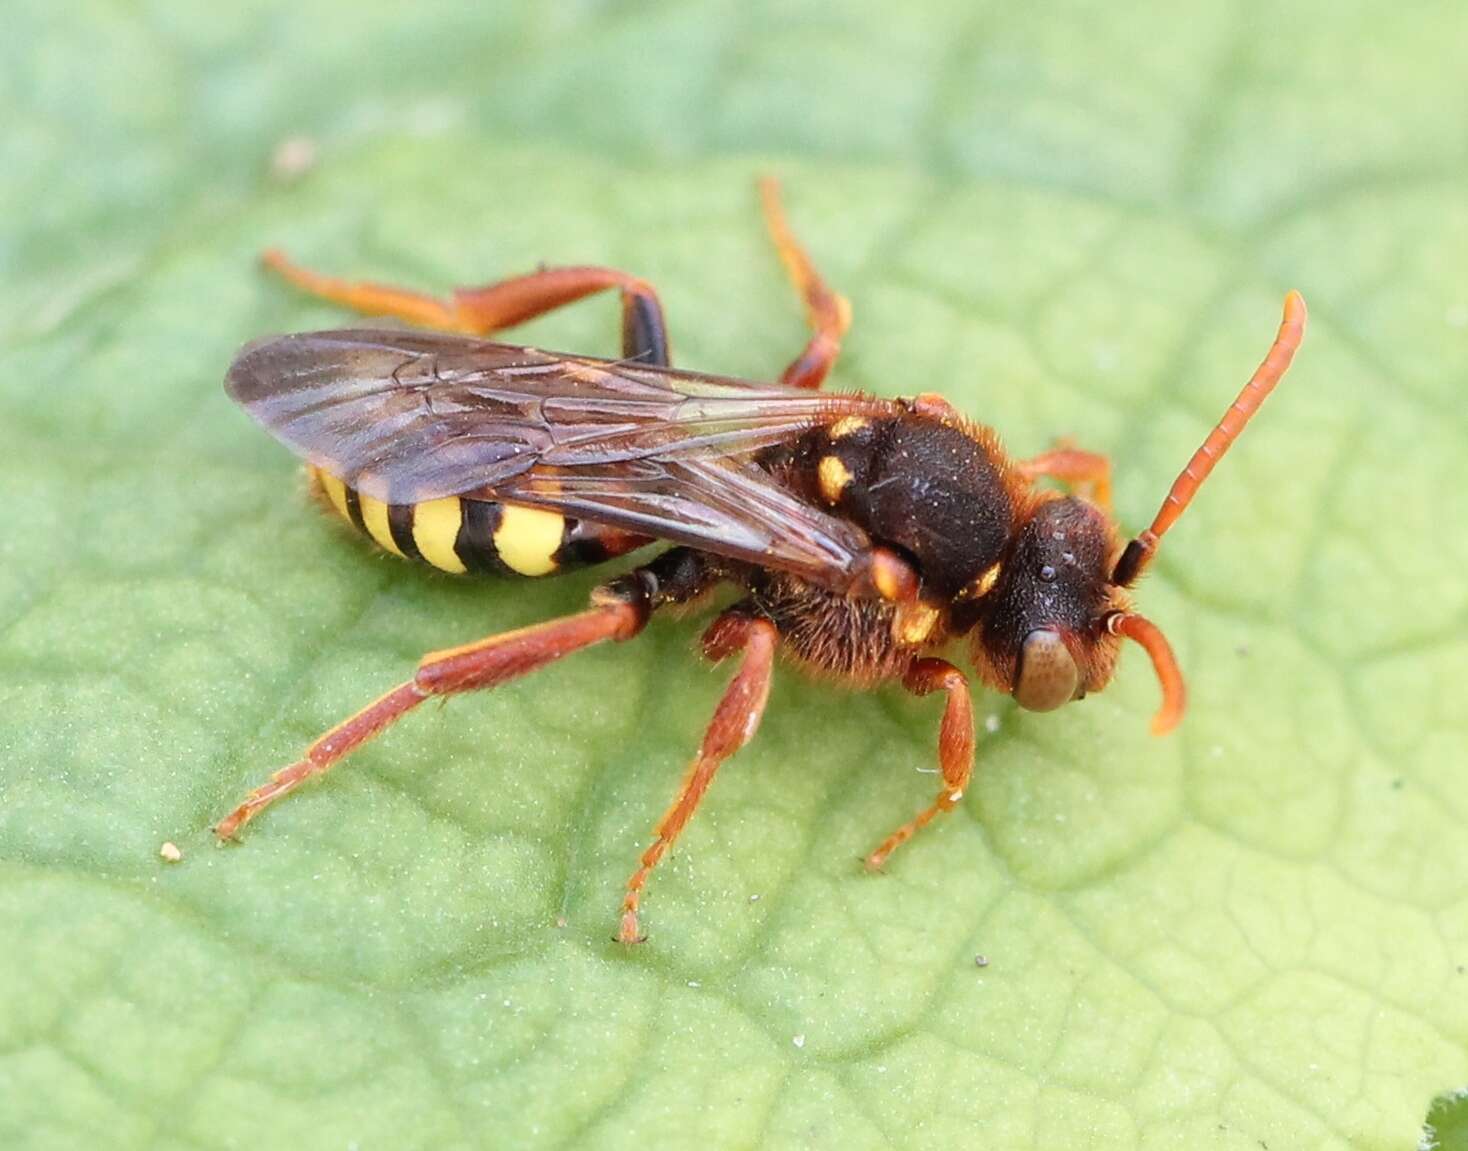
(293, 158)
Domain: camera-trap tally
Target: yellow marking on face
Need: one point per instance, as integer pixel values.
(374, 518)
(336, 492)
(527, 539)
(986, 581)
(846, 425)
(435, 528)
(833, 478)
(914, 623)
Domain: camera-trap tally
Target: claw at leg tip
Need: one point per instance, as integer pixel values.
(629, 932)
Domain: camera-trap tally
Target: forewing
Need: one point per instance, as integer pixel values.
(717, 504)
(409, 416)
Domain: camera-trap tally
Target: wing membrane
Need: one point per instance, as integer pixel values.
(409, 416)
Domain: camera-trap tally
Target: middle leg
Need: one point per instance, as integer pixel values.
(735, 721)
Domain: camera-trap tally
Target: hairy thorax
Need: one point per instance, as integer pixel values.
(828, 633)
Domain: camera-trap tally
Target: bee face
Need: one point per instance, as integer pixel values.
(1041, 634)
(1046, 675)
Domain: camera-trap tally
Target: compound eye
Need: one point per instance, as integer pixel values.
(1048, 676)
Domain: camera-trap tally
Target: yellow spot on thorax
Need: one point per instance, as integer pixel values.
(435, 528)
(833, 478)
(374, 518)
(914, 623)
(527, 539)
(985, 583)
(846, 425)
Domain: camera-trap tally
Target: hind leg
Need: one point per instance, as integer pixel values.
(485, 664)
(483, 310)
(828, 314)
(619, 611)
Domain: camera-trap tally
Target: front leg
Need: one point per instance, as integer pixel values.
(1088, 472)
(955, 747)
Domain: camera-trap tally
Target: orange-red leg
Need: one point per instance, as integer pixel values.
(483, 310)
(955, 747)
(934, 407)
(1090, 472)
(484, 664)
(735, 721)
(827, 313)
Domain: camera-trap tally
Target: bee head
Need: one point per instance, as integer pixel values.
(1041, 635)
(1050, 627)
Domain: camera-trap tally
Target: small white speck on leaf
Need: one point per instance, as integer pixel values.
(754, 898)
(798, 1040)
(170, 853)
(991, 724)
(293, 158)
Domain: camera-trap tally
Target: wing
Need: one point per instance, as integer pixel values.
(410, 416)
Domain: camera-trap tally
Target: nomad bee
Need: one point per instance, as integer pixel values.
(865, 537)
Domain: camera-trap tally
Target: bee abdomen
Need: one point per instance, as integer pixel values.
(478, 536)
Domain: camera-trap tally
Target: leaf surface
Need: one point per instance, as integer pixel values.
(1073, 220)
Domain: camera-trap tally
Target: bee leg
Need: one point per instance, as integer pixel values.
(1090, 472)
(734, 723)
(483, 310)
(955, 747)
(484, 664)
(827, 313)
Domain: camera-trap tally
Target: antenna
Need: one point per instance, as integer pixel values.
(1139, 552)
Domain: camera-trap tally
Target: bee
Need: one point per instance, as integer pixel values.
(866, 539)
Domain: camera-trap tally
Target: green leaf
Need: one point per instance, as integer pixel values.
(1072, 219)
